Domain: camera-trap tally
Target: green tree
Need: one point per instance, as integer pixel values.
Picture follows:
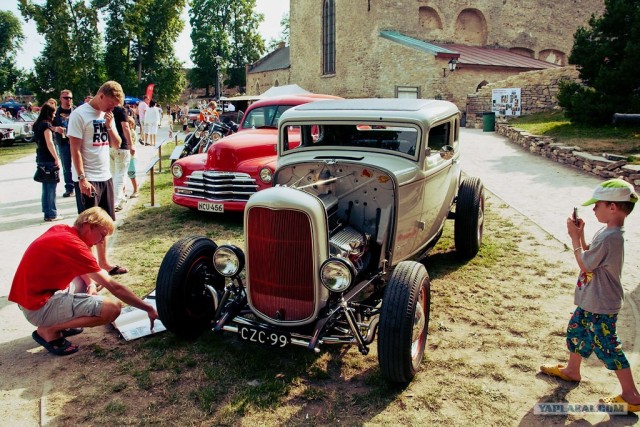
(225, 38)
(11, 36)
(140, 37)
(245, 42)
(72, 54)
(607, 54)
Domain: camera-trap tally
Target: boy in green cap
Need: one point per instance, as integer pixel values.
(599, 293)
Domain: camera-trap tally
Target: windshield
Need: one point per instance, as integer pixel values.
(6, 120)
(264, 116)
(401, 139)
(28, 117)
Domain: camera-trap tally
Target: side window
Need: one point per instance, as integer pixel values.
(439, 136)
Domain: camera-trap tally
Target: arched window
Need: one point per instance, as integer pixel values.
(328, 37)
(277, 83)
(257, 88)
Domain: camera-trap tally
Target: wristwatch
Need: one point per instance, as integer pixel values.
(81, 177)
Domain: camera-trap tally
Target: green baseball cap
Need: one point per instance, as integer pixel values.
(613, 190)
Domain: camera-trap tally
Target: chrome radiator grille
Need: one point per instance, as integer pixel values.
(225, 186)
(280, 260)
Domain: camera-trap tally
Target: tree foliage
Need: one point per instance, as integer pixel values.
(140, 37)
(225, 38)
(11, 36)
(608, 55)
(71, 57)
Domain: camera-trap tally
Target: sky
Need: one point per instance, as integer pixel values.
(273, 11)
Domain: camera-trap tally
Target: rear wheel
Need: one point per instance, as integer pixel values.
(404, 322)
(469, 222)
(185, 304)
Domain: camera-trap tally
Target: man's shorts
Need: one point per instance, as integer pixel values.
(596, 333)
(62, 307)
(103, 198)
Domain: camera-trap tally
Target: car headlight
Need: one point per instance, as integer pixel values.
(228, 260)
(215, 136)
(198, 134)
(337, 274)
(266, 175)
(176, 170)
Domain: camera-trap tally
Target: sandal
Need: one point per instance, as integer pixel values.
(619, 399)
(118, 270)
(69, 332)
(134, 195)
(554, 371)
(59, 347)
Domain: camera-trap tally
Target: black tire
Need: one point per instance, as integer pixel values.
(184, 303)
(469, 222)
(404, 322)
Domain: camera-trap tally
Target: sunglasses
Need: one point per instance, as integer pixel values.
(67, 97)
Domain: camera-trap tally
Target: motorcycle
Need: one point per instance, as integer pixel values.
(202, 137)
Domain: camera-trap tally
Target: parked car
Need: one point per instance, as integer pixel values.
(236, 166)
(361, 192)
(22, 130)
(193, 116)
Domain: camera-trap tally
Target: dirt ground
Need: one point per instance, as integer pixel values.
(493, 322)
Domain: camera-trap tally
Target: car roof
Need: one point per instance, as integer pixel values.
(293, 99)
(375, 109)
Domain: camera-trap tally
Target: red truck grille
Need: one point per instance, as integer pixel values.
(281, 272)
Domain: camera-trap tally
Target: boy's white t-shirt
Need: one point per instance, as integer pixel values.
(88, 124)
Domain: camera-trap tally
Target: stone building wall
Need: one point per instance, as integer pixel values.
(368, 65)
(264, 80)
(539, 90)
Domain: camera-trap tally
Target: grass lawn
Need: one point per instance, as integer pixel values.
(16, 151)
(610, 138)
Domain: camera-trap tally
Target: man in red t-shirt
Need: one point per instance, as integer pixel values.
(57, 259)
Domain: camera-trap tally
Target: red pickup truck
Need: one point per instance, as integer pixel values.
(236, 166)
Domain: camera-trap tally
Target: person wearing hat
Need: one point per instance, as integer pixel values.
(599, 293)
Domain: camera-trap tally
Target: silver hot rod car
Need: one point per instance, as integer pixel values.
(331, 254)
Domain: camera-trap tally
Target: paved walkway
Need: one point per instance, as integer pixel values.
(543, 190)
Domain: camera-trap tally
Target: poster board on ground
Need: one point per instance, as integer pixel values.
(134, 323)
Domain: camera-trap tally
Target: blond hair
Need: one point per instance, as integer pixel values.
(113, 90)
(96, 217)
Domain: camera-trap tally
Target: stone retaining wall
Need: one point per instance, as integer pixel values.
(605, 166)
(538, 93)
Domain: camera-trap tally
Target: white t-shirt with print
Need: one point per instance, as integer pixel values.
(88, 124)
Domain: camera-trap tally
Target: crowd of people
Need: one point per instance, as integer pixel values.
(57, 281)
(94, 147)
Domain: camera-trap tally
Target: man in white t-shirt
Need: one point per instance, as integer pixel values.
(91, 130)
(143, 106)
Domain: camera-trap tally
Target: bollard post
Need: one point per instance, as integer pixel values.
(150, 170)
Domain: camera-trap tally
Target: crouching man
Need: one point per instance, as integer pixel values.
(55, 284)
